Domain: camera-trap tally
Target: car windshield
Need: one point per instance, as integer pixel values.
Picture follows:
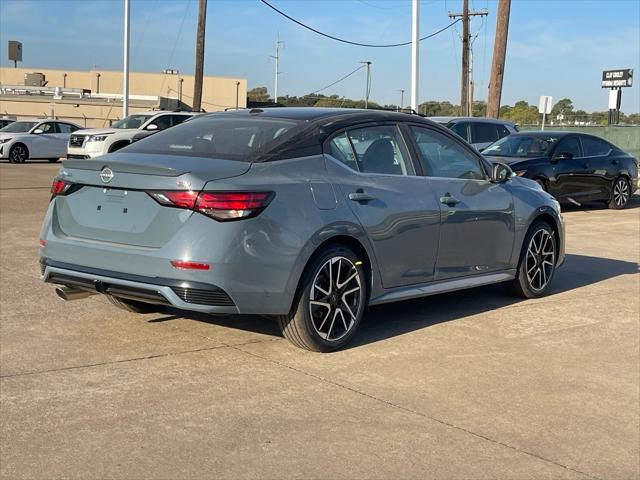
(224, 136)
(132, 121)
(19, 127)
(526, 146)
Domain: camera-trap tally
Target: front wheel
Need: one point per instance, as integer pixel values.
(330, 303)
(620, 194)
(537, 263)
(18, 153)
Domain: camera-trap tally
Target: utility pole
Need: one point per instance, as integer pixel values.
(499, 53)
(125, 73)
(401, 99)
(368, 85)
(415, 48)
(278, 72)
(466, 48)
(197, 81)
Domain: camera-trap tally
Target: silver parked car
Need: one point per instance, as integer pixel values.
(309, 215)
(478, 131)
(32, 139)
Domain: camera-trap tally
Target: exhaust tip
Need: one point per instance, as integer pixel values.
(68, 293)
(60, 291)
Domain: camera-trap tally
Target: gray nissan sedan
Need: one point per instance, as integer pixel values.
(308, 215)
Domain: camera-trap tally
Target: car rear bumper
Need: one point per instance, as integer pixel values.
(185, 295)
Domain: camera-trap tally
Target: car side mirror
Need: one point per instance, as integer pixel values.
(562, 156)
(500, 173)
(38, 131)
(151, 127)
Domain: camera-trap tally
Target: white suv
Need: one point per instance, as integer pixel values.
(95, 142)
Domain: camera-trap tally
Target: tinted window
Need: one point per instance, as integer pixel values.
(594, 147)
(47, 127)
(442, 157)
(132, 121)
(340, 149)
(521, 146)
(162, 122)
(461, 129)
(178, 119)
(66, 128)
(502, 130)
(569, 145)
(484, 132)
(380, 150)
(220, 136)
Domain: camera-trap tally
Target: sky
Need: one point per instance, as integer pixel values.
(556, 47)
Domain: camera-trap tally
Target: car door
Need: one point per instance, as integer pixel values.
(476, 215)
(603, 165)
(63, 132)
(376, 176)
(483, 134)
(43, 143)
(571, 175)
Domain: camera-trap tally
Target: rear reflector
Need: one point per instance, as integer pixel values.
(221, 206)
(185, 265)
(42, 243)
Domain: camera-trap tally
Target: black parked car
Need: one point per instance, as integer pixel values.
(573, 167)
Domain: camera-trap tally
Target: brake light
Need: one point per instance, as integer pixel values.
(176, 198)
(225, 206)
(59, 187)
(221, 206)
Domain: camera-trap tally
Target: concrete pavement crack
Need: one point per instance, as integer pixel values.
(418, 413)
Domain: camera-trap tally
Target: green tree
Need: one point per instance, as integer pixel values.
(564, 107)
(258, 94)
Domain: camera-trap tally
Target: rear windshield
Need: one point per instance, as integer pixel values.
(18, 127)
(222, 136)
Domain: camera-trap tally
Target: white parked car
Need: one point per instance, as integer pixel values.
(24, 140)
(95, 142)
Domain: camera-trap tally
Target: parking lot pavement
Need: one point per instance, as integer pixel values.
(471, 384)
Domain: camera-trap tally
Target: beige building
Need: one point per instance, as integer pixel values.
(94, 98)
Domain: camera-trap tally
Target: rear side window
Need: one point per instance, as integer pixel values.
(178, 119)
(594, 147)
(461, 129)
(569, 145)
(340, 149)
(220, 136)
(380, 150)
(484, 132)
(502, 131)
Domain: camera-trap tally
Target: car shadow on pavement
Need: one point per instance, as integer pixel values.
(634, 202)
(390, 320)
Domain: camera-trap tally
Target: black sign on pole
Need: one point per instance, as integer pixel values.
(617, 78)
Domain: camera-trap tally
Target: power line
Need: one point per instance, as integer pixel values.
(350, 42)
(338, 81)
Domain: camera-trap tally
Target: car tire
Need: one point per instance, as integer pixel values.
(620, 193)
(53, 160)
(131, 305)
(19, 153)
(117, 146)
(330, 302)
(537, 264)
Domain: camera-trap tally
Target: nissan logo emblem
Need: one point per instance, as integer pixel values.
(106, 175)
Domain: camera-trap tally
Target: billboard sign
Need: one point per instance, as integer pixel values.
(617, 78)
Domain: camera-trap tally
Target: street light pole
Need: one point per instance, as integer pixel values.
(125, 73)
(401, 98)
(415, 47)
(237, 90)
(368, 85)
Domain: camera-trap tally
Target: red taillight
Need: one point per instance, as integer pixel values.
(232, 205)
(222, 206)
(176, 198)
(43, 243)
(186, 265)
(59, 187)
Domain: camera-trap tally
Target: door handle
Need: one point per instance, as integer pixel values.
(614, 162)
(361, 196)
(449, 200)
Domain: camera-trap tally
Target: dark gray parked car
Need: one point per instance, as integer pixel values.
(478, 131)
(308, 215)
